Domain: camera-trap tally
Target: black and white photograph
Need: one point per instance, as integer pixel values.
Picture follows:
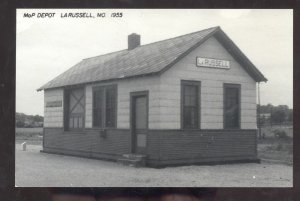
(154, 98)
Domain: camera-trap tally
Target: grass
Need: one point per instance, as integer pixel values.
(29, 131)
(31, 135)
(276, 149)
(268, 131)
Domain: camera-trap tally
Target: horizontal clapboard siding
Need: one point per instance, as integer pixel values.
(164, 147)
(53, 116)
(181, 146)
(87, 143)
(150, 84)
(212, 80)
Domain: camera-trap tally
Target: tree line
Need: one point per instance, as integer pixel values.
(24, 120)
(271, 115)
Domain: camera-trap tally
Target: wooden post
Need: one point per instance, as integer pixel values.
(24, 146)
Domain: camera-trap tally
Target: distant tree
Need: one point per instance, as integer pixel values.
(20, 124)
(265, 108)
(23, 120)
(38, 118)
(283, 107)
(290, 115)
(20, 117)
(262, 120)
(278, 116)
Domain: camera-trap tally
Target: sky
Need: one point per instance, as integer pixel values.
(48, 46)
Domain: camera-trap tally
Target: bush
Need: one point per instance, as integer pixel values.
(275, 147)
(279, 147)
(20, 124)
(281, 134)
(289, 148)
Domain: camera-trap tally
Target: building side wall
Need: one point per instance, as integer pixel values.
(88, 143)
(212, 80)
(53, 116)
(123, 100)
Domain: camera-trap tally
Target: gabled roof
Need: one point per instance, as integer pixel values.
(149, 59)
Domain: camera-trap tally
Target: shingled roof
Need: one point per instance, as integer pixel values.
(149, 59)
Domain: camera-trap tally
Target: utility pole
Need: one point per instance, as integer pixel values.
(258, 123)
(271, 116)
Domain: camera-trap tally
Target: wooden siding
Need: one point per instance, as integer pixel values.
(87, 143)
(212, 80)
(198, 146)
(186, 146)
(53, 116)
(123, 107)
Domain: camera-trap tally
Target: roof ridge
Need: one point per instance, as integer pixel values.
(154, 42)
(181, 35)
(105, 54)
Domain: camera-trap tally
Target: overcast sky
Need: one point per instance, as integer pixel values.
(46, 47)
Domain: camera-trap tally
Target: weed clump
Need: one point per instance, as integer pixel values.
(280, 134)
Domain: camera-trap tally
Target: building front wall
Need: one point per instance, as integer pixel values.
(212, 80)
(87, 143)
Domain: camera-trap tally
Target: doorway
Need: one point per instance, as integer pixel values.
(139, 121)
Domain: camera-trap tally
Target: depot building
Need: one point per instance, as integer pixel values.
(185, 100)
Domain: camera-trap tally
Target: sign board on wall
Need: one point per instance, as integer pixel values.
(212, 63)
(54, 104)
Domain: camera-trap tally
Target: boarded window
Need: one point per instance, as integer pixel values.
(74, 111)
(105, 106)
(190, 104)
(231, 106)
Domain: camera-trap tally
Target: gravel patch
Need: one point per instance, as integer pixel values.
(36, 169)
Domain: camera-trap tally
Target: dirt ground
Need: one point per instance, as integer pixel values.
(40, 169)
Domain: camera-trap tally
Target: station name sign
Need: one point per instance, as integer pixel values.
(212, 63)
(54, 104)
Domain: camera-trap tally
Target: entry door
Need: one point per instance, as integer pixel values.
(139, 123)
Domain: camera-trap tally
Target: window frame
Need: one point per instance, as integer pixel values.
(66, 112)
(198, 103)
(236, 86)
(103, 105)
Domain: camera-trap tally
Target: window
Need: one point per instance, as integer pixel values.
(74, 110)
(97, 107)
(190, 104)
(232, 106)
(105, 106)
